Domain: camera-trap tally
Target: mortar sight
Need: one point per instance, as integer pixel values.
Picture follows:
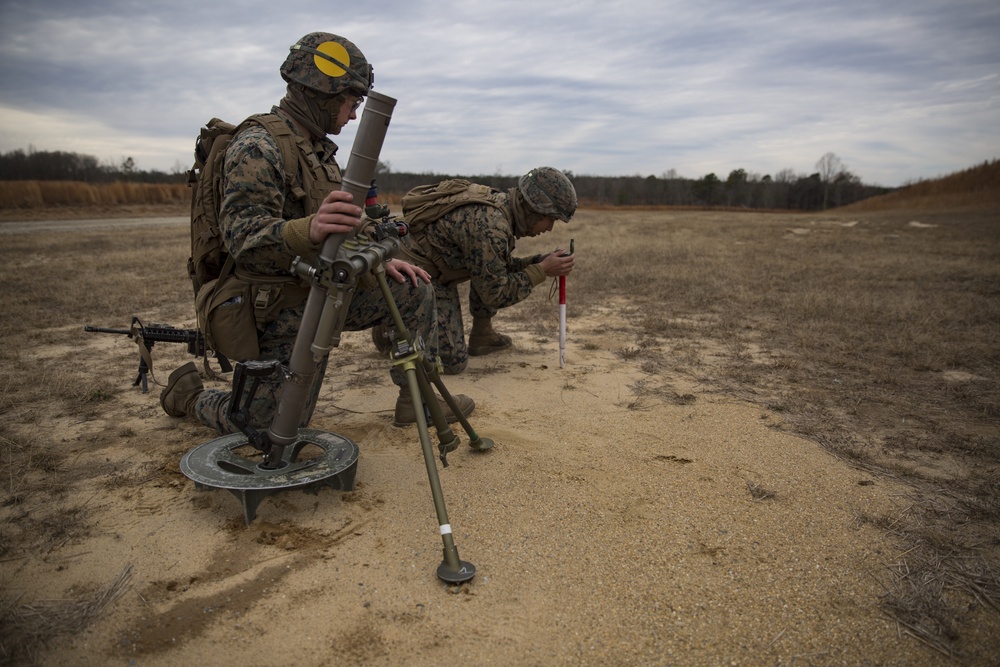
(387, 229)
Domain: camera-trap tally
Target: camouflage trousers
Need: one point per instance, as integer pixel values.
(452, 348)
(277, 339)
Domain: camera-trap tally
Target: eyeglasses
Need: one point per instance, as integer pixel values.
(357, 103)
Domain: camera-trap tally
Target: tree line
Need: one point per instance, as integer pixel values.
(831, 185)
(32, 165)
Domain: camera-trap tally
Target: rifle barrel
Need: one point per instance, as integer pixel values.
(123, 332)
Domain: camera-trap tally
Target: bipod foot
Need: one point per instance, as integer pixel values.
(452, 569)
(480, 444)
(231, 463)
(431, 375)
(453, 574)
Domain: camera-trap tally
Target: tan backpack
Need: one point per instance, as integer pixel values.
(426, 203)
(208, 256)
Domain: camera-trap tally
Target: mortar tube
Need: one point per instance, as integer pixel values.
(303, 365)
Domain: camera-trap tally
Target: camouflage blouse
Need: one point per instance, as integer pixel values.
(480, 238)
(257, 204)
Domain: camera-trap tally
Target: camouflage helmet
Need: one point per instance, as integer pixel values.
(549, 192)
(328, 64)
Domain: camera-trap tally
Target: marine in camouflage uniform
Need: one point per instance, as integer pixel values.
(266, 223)
(254, 230)
(478, 240)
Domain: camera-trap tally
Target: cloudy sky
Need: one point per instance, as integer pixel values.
(898, 90)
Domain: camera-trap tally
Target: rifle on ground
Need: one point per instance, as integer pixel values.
(146, 336)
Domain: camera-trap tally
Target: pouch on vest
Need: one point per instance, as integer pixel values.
(226, 315)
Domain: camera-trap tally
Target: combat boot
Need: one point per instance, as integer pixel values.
(406, 414)
(183, 387)
(483, 339)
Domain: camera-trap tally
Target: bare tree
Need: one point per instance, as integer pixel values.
(829, 167)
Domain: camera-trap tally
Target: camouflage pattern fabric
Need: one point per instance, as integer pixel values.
(478, 238)
(549, 191)
(255, 209)
(256, 204)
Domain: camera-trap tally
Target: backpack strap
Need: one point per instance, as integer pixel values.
(290, 147)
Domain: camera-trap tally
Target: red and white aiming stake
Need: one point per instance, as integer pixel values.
(562, 315)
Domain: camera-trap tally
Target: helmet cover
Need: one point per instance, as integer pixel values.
(328, 64)
(549, 192)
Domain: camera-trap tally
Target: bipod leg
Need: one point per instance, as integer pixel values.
(427, 373)
(448, 441)
(476, 442)
(452, 569)
(408, 354)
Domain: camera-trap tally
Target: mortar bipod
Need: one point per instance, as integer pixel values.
(407, 353)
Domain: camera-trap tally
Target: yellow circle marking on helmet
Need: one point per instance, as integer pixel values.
(336, 51)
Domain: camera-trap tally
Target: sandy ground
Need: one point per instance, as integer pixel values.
(602, 532)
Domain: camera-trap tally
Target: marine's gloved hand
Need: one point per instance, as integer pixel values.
(556, 263)
(336, 215)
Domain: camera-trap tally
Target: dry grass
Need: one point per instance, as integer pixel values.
(872, 333)
(45, 194)
(976, 187)
(32, 626)
(758, 492)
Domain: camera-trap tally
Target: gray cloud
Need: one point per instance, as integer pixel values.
(899, 91)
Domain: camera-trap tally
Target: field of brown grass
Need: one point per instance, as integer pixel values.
(27, 196)
(777, 440)
(977, 187)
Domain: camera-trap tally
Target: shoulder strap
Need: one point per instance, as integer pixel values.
(286, 141)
